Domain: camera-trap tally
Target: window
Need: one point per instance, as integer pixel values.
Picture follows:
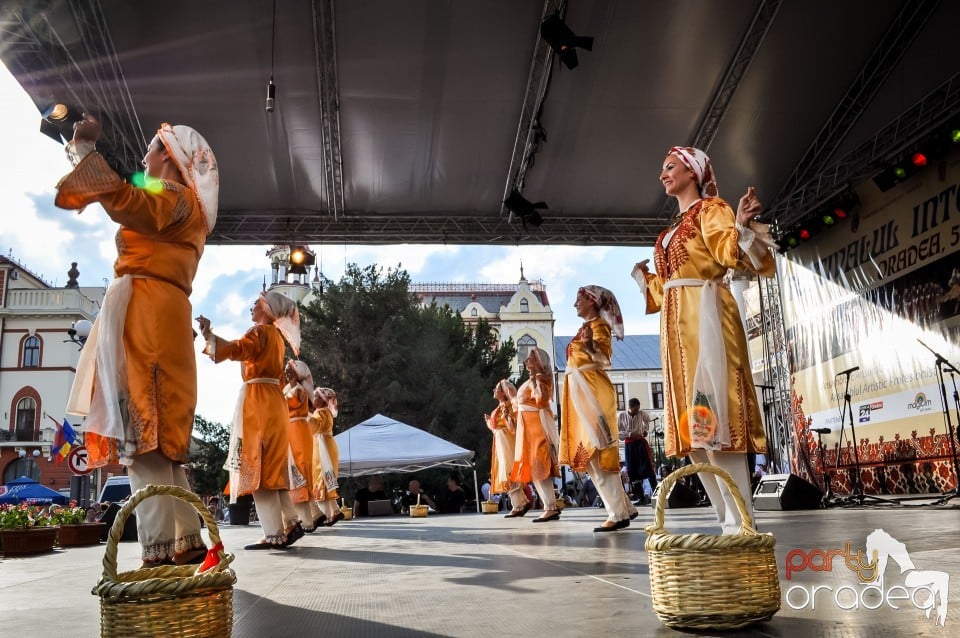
(657, 389)
(26, 415)
(524, 305)
(22, 467)
(31, 352)
(621, 397)
(473, 312)
(524, 345)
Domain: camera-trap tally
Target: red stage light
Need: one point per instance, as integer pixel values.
(919, 159)
(804, 234)
(839, 213)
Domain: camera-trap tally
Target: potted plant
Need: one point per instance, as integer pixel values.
(74, 530)
(25, 529)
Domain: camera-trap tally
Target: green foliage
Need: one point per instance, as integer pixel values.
(68, 516)
(23, 516)
(208, 452)
(369, 339)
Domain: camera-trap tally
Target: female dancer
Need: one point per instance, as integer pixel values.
(326, 455)
(299, 392)
(503, 423)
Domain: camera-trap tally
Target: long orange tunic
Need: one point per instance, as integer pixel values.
(704, 246)
(534, 458)
(265, 448)
(301, 439)
(505, 423)
(321, 427)
(575, 446)
(160, 240)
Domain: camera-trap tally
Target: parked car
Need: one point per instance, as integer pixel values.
(115, 490)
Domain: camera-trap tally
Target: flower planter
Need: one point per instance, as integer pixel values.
(80, 534)
(31, 540)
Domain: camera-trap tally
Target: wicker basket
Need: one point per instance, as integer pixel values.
(701, 581)
(489, 507)
(170, 600)
(418, 510)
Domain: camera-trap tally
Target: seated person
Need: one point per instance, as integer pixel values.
(410, 498)
(372, 492)
(452, 499)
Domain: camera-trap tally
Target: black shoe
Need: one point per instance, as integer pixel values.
(263, 545)
(294, 535)
(320, 520)
(520, 512)
(336, 519)
(618, 525)
(552, 517)
(634, 515)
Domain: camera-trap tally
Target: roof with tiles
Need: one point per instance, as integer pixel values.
(635, 352)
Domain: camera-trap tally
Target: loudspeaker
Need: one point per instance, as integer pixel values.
(680, 496)
(786, 492)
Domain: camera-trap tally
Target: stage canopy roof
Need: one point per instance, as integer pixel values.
(412, 121)
(381, 444)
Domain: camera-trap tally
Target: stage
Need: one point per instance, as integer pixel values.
(483, 575)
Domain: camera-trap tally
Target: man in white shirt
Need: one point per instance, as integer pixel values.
(634, 425)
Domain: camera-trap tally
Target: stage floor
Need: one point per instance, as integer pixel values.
(482, 575)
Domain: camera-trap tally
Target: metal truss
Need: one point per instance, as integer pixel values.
(277, 227)
(903, 30)
(777, 402)
(933, 111)
(737, 69)
(41, 60)
(325, 51)
(527, 138)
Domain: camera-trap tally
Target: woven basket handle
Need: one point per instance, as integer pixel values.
(113, 538)
(746, 526)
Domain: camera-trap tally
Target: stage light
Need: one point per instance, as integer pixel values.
(918, 159)
(271, 95)
(955, 136)
(829, 219)
(297, 256)
(564, 41)
(900, 172)
(805, 234)
(58, 120)
(299, 260)
(524, 209)
(839, 213)
(793, 241)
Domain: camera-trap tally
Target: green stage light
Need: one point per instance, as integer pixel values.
(900, 172)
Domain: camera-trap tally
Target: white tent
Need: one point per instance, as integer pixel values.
(382, 444)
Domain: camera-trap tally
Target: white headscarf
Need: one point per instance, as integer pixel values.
(304, 377)
(328, 397)
(608, 307)
(698, 162)
(197, 164)
(285, 316)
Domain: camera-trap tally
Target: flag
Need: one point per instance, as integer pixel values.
(63, 441)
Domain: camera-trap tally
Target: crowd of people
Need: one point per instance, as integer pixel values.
(136, 378)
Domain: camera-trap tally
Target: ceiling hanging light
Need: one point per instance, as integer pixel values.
(271, 87)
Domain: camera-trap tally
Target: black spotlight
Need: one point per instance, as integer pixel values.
(58, 120)
(524, 209)
(564, 41)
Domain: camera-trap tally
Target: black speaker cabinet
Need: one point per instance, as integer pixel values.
(680, 496)
(786, 492)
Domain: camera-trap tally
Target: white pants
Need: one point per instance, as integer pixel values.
(329, 508)
(544, 488)
(272, 507)
(518, 500)
(615, 499)
(305, 514)
(165, 525)
(735, 465)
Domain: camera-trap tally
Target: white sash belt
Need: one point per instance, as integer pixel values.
(710, 376)
(588, 408)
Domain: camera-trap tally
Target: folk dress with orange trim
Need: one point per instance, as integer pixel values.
(321, 428)
(161, 238)
(504, 419)
(301, 440)
(575, 446)
(704, 246)
(534, 457)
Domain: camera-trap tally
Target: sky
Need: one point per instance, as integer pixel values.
(46, 240)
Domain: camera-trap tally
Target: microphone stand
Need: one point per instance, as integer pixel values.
(944, 365)
(857, 497)
(827, 500)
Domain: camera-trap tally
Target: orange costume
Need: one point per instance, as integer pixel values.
(159, 243)
(264, 447)
(325, 487)
(503, 423)
(535, 457)
(301, 439)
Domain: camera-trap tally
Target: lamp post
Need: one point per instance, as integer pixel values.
(79, 332)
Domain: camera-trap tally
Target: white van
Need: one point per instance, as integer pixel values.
(115, 490)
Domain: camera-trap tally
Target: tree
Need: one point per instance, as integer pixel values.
(370, 340)
(208, 452)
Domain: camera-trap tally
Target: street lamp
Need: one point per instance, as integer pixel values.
(79, 332)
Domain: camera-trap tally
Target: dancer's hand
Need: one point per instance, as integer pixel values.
(642, 266)
(749, 207)
(204, 324)
(86, 130)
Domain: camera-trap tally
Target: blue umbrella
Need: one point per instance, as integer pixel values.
(26, 490)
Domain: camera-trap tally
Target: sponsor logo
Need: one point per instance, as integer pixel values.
(921, 403)
(910, 587)
(864, 413)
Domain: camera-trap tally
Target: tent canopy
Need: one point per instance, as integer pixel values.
(26, 490)
(382, 444)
